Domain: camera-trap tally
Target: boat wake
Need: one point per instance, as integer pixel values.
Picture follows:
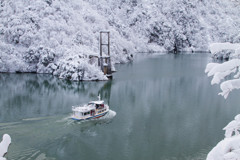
(109, 115)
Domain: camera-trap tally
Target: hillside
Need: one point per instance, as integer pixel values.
(57, 36)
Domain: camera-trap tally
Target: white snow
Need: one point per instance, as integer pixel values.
(229, 65)
(217, 47)
(210, 66)
(57, 37)
(228, 86)
(228, 148)
(225, 50)
(220, 71)
(221, 75)
(6, 141)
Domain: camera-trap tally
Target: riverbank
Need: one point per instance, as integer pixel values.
(57, 37)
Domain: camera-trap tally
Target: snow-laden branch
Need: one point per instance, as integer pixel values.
(225, 50)
(220, 71)
(229, 148)
(6, 141)
(229, 65)
(217, 47)
(228, 86)
(233, 127)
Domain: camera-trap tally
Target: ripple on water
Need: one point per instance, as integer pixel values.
(28, 154)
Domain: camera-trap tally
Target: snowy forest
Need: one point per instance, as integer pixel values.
(169, 97)
(57, 36)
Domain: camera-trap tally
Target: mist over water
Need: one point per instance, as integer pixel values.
(163, 107)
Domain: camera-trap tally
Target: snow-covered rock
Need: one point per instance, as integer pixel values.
(52, 36)
(6, 141)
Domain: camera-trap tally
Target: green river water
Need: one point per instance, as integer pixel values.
(165, 109)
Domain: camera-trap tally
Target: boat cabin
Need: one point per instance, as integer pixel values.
(98, 104)
(91, 109)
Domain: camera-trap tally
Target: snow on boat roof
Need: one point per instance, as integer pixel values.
(85, 108)
(88, 107)
(97, 102)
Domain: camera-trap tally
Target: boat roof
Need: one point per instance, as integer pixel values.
(97, 102)
(85, 108)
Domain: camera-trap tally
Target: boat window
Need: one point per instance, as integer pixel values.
(86, 113)
(97, 106)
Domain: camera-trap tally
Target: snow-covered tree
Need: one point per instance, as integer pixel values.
(4, 144)
(220, 71)
(228, 148)
(57, 36)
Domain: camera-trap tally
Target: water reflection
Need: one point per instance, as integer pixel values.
(166, 109)
(172, 108)
(36, 95)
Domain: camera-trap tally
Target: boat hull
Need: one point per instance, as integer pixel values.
(92, 117)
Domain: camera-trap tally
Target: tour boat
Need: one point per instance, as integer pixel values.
(93, 110)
